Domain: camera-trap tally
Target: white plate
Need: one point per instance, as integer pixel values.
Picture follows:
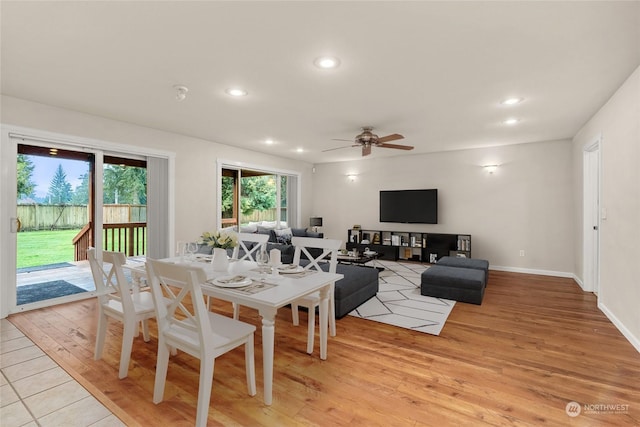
(236, 281)
(289, 269)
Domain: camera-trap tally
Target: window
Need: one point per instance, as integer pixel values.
(249, 196)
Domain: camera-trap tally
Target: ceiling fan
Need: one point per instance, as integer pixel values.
(368, 139)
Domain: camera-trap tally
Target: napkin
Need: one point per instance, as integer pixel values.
(274, 257)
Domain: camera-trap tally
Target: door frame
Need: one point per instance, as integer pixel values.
(592, 177)
(9, 136)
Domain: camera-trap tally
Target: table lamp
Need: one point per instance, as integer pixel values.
(315, 222)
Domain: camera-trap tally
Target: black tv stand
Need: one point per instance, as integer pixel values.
(409, 245)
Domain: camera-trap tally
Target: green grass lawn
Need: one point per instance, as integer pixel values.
(52, 247)
(45, 247)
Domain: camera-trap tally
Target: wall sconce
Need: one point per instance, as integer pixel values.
(352, 177)
(315, 222)
(490, 168)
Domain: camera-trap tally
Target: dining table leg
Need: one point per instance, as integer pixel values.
(268, 338)
(324, 320)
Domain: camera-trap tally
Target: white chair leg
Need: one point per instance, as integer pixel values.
(332, 316)
(127, 345)
(250, 366)
(145, 330)
(162, 364)
(294, 314)
(311, 329)
(204, 391)
(236, 310)
(100, 336)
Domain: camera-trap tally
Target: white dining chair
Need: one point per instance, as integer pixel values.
(329, 253)
(117, 300)
(260, 241)
(194, 330)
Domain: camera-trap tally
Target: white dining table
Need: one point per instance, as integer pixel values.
(278, 291)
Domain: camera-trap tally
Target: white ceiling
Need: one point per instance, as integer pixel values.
(432, 71)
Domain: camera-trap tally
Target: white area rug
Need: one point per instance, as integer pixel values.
(399, 302)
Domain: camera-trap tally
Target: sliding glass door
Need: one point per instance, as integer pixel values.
(66, 196)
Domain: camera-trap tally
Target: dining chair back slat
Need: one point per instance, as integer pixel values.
(249, 254)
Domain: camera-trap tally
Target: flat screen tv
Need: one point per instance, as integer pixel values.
(409, 206)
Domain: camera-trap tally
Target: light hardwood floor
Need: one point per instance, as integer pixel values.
(534, 345)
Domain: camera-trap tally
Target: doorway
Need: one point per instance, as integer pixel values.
(592, 215)
(57, 201)
(54, 193)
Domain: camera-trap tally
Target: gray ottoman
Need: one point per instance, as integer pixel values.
(478, 264)
(456, 283)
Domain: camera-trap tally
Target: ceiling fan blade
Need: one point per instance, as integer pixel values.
(391, 137)
(340, 148)
(348, 140)
(366, 149)
(397, 146)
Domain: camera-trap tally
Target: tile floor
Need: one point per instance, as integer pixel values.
(35, 391)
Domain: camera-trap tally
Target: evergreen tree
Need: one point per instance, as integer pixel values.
(60, 191)
(81, 193)
(125, 185)
(25, 172)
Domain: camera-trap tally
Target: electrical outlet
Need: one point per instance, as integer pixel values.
(521, 252)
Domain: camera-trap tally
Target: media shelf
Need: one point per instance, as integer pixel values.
(410, 245)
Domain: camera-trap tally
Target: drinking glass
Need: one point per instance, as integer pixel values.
(262, 258)
(192, 248)
(180, 248)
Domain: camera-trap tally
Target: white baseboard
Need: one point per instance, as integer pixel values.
(635, 341)
(533, 271)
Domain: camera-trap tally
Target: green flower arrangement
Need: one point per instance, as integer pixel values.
(219, 239)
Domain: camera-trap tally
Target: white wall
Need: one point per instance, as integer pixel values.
(525, 205)
(195, 166)
(619, 123)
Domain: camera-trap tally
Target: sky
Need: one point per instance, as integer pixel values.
(45, 168)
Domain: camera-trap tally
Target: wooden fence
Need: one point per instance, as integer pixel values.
(62, 217)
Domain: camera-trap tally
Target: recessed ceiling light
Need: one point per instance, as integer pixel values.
(511, 122)
(511, 101)
(235, 91)
(268, 141)
(299, 150)
(326, 62)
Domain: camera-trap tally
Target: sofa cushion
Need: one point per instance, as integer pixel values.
(283, 236)
(268, 231)
(476, 263)
(299, 232)
(456, 283)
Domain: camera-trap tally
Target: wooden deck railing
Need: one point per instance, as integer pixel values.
(127, 237)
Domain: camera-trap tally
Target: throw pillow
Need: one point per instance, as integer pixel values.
(283, 236)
